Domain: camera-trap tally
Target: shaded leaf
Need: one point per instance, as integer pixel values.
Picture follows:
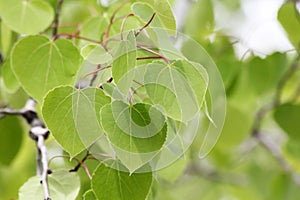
(11, 136)
(108, 183)
(287, 116)
(9, 78)
(89, 195)
(129, 141)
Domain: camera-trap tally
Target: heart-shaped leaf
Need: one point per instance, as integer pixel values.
(41, 64)
(62, 185)
(108, 183)
(72, 116)
(26, 17)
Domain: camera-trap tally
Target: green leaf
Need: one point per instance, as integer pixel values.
(196, 76)
(125, 57)
(9, 78)
(162, 9)
(128, 139)
(26, 17)
(11, 136)
(233, 132)
(287, 116)
(89, 195)
(174, 171)
(72, 116)
(62, 185)
(200, 20)
(108, 183)
(95, 54)
(289, 18)
(41, 64)
(133, 146)
(168, 88)
(283, 187)
(75, 13)
(94, 27)
(8, 37)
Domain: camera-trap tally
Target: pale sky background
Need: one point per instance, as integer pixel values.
(255, 25)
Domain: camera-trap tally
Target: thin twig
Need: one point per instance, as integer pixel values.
(146, 25)
(270, 145)
(75, 35)
(39, 133)
(111, 21)
(277, 97)
(155, 53)
(123, 24)
(56, 19)
(148, 57)
(82, 164)
(95, 74)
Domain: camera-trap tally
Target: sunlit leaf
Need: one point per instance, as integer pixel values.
(27, 17)
(200, 20)
(125, 58)
(169, 88)
(8, 37)
(289, 17)
(62, 185)
(161, 8)
(95, 54)
(196, 76)
(94, 27)
(41, 64)
(72, 116)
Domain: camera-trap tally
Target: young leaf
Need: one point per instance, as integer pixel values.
(62, 185)
(289, 17)
(72, 116)
(125, 57)
(161, 8)
(26, 17)
(41, 64)
(108, 183)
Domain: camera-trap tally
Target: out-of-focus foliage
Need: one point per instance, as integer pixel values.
(240, 166)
